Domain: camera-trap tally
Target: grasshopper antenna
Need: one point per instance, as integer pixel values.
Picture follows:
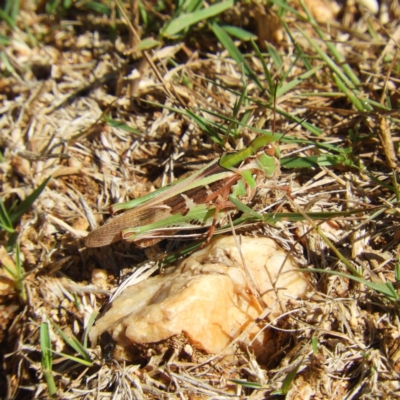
(308, 116)
(296, 124)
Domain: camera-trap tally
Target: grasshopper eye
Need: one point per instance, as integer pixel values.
(270, 150)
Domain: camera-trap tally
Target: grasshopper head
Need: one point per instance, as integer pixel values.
(268, 160)
(272, 150)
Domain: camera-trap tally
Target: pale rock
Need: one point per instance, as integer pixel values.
(209, 297)
(371, 5)
(323, 11)
(99, 278)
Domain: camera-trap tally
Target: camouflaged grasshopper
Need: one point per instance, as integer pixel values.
(194, 202)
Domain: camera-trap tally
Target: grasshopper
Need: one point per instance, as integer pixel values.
(194, 202)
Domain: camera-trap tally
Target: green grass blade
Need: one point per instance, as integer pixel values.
(293, 83)
(238, 33)
(198, 216)
(191, 5)
(251, 385)
(213, 125)
(170, 258)
(344, 151)
(51, 6)
(81, 361)
(288, 71)
(243, 208)
(331, 64)
(379, 287)
(315, 161)
(96, 6)
(160, 192)
(148, 43)
(7, 65)
(314, 345)
(136, 202)
(375, 104)
(121, 125)
(33, 41)
(90, 323)
(349, 93)
(186, 20)
(332, 48)
(206, 126)
(234, 52)
(271, 86)
(303, 56)
(8, 263)
(243, 122)
(344, 83)
(391, 288)
(5, 220)
(274, 137)
(73, 342)
(24, 206)
(143, 14)
(274, 54)
(47, 358)
(4, 40)
(11, 241)
(12, 8)
(306, 125)
(236, 109)
(7, 6)
(13, 270)
(7, 19)
(272, 218)
(288, 380)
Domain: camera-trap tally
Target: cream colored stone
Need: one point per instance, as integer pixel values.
(323, 10)
(371, 5)
(99, 278)
(209, 297)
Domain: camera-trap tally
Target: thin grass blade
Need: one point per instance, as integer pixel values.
(24, 206)
(121, 125)
(332, 48)
(88, 327)
(295, 82)
(315, 161)
(73, 342)
(47, 358)
(238, 33)
(380, 287)
(267, 74)
(186, 20)
(74, 359)
(234, 52)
